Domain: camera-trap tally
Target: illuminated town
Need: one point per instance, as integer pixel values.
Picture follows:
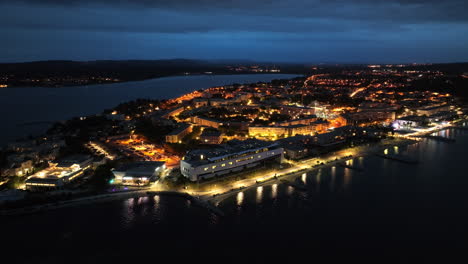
(216, 142)
(246, 131)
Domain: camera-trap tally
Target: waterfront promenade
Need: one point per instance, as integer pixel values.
(215, 195)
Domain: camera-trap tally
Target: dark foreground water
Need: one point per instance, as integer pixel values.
(390, 211)
(28, 111)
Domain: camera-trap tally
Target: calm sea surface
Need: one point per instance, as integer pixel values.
(26, 111)
(390, 210)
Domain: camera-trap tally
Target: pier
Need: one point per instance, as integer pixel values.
(196, 201)
(460, 127)
(344, 165)
(400, 158)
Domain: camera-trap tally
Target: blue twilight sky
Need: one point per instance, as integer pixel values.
(309, 31)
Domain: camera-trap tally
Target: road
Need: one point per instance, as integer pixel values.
(217, 193)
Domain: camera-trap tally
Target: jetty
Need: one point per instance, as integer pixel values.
(397, 157)
(344, 165)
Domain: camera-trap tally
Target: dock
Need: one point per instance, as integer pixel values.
(195, 200)
(400, 158)
(344, 165)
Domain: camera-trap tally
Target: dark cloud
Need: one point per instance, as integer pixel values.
(398, 11)
(401, 29)
(182, 16)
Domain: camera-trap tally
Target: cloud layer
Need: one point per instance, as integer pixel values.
(331, 26)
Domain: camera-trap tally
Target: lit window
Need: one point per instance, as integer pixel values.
(213, 167)
(223, 165)
(206, 168)
(230, 163)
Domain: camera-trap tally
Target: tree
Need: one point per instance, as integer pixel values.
(14, 182)
(102, 177)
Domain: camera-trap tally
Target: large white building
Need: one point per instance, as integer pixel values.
(60, 172)
(231, 157)
(138, 173)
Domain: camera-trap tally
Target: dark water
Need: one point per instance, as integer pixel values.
(390, 211)
(28, 111)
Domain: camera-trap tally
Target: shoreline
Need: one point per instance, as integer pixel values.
(216, 200)
(206, 198)
(373, 149)
(147, 79)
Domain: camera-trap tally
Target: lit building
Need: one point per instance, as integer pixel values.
(368, 117)
(204, 121)
(211, 137)
(60, 172)
(233, 156)
(433, 109)
(295, 151)
(173, 112)
(330, 139)
(408, 122)
(177, 135)
(302, 121)
(268, 131)
(339, 121)
(293, 110)
(19, 168)
(318, 126)
(138, 173)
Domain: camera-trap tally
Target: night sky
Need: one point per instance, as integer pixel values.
(310, 31)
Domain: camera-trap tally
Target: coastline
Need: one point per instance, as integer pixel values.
(43, 104)
(368, 152)
(146, 79)
(209, 199)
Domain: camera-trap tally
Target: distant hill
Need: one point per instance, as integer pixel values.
(62, 73)
(67, 73)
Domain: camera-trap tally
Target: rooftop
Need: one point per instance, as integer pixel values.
(178, 130)
(210, 133)
(73, 159)
(140, 168)
(231, 148)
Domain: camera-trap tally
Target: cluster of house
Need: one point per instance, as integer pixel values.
(25, 154)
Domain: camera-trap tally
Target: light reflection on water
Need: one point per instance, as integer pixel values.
(259, 194)
(318, 178)
(347, 178)
(274, 191)
(333, 178)
(128, 214)
(384, 188)
(240, 198)
(157, 208)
